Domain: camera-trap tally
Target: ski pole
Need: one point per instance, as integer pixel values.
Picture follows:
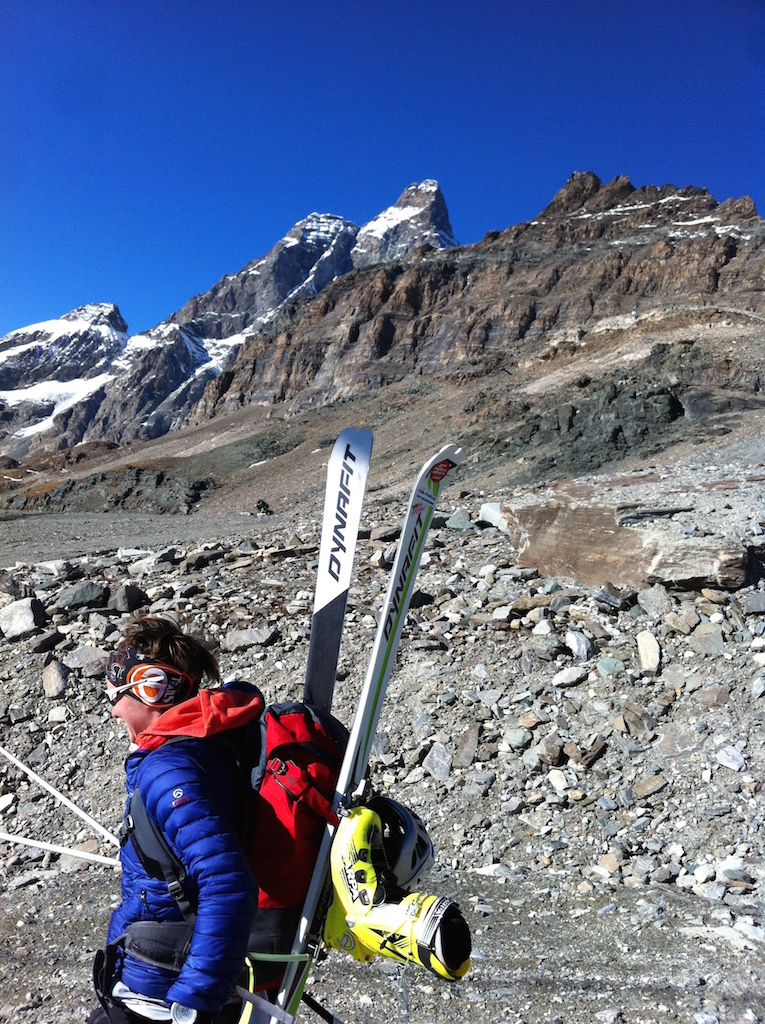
(6, 837)
(320, 1010)
(60, 796)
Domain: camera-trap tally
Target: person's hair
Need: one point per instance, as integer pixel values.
(162, 638)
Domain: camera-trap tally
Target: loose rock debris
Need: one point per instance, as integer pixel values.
(589, 761)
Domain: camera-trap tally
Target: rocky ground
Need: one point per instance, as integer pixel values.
(589, 758)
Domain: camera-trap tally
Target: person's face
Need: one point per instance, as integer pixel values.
(136, 715)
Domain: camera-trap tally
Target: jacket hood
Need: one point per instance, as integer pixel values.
(210, 712)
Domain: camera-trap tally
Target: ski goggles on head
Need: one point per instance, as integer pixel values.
(152, 682)
(116, 693)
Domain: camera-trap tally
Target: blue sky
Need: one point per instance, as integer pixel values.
(149, 148)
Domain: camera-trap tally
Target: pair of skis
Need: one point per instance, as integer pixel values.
(346, 482)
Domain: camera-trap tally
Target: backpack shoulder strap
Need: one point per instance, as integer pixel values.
(155, 853)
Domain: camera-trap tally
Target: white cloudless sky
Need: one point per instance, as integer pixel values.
(151, 146)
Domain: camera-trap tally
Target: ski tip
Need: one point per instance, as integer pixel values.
(445, 463)
(361, 436)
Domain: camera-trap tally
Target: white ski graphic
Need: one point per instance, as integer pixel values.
(346, 481)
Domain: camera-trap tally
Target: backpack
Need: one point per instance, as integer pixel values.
(291, 757)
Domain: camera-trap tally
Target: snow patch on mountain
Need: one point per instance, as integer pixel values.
(220, 351)
(389, 219)
(62, 395)
(101, 321)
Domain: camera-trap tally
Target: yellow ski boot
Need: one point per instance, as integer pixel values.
(367, 917)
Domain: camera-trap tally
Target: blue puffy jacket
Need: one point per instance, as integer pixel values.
(192, 791)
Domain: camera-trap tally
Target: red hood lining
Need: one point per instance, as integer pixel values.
(210, 712)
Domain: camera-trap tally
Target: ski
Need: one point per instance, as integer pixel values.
(434, 474)
(346, 481)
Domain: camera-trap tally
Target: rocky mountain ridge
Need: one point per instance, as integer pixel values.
(620, 324)
(597, 260)
(82, 378)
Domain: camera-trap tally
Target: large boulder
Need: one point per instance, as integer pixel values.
(589, 544)
(21, 618)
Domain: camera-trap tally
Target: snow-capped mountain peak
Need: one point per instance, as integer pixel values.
(418, 214)
(79, 344)
(54, 375)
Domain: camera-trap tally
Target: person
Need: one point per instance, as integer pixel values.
(156, 966)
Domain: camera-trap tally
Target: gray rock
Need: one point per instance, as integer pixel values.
(643, 866)
(610, 667)
(707, 639)
(627, 797)
(481, 782)
(129, 598)
(241, 639)
(90, 661)
(55, 677)
(385, 533)
(549, 750)
(20, 618)
(704, 873)
(467, 747)
(46, 641)
(754, 603)
(424, 725)
(580, 645)
(713, 696)
(83, 595)
(415, 776)
(517, 738)
(676, 742)
(438, 762)
(513, 806)
(649, 652)
(655, 601)
(607, 803)
(570, 676)
(531, 760)
(731, 757)
(460, 522)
